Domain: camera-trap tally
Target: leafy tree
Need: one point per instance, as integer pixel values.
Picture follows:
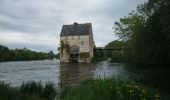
(4, 53)
(51, 54)
(23, 54)
(115, 44)
(146, 33)
(116, 56)
(58, 55)
(98, 55)
(156, 38)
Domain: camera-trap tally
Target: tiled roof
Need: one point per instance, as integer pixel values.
(76, 29)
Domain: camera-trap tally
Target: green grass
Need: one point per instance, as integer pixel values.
(109, 89)
(28, 91)
(97, 89)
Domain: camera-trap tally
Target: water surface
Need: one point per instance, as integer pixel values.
(71, 74)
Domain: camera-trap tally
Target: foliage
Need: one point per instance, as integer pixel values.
(65, 46)
(3, 53)
(116, 55)
(146, 34)
(28, 91)
(156, 37)
(49, 92)
(51, 54)
(129, 26)
(58, 55)
(128, 29)
(36, 88)
(98, 56)
(115, 44)
(23, 54)
(109, 89)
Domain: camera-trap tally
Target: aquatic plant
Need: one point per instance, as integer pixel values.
(109, 89)
(48, 91)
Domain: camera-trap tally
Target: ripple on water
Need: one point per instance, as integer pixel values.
(73, 73)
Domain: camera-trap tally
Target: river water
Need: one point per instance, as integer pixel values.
(18, 72)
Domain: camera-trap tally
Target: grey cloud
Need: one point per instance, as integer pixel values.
(47, 17)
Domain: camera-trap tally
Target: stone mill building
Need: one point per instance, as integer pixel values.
(76, 43)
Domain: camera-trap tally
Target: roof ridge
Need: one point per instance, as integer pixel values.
(76, 29)
(77, 24)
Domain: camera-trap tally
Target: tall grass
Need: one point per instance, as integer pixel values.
(109, 89)
(28, 91)
(98, 89)
(7, 92)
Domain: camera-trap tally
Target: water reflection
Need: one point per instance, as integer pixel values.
(158, 78)
(74, 73)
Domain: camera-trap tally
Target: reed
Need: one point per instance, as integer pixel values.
(28, 91)
(109, 89)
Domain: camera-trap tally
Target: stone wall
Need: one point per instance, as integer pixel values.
(85, 44)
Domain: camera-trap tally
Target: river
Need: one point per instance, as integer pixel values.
(18, 72)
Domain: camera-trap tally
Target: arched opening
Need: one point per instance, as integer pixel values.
(74, 53)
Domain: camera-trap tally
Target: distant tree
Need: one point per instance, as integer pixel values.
(23, 54)
(116, 56)
(51, 54)
(4, 53)
(115, 44)
(57, 55)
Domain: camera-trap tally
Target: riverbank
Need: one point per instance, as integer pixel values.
(109, 89)
(28, 91)
(97, 89)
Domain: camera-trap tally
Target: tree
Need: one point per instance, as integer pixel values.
(146, 33)
(4, 53)
(156, 38)
(51, 54)
(23, 54)
(115, 44)
(128, 29)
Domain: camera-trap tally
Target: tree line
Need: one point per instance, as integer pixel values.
(23, 54)
(113, 55)
(146, 34)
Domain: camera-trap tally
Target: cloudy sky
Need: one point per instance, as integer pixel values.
(36, 24)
